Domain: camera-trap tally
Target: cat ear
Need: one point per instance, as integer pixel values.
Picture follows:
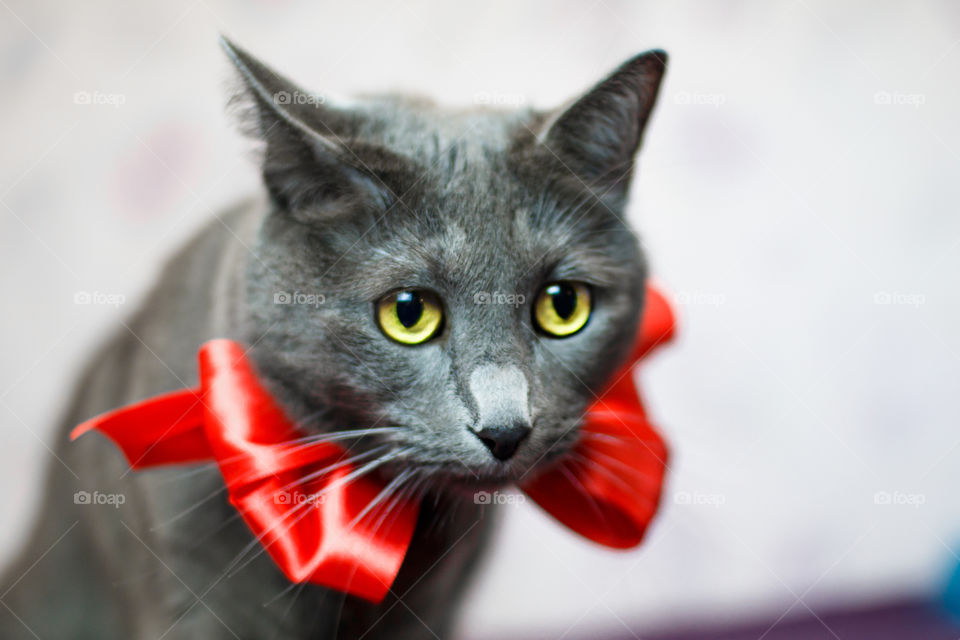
(597, 136)
(306, 166)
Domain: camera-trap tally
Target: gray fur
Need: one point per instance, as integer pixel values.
(388, 194)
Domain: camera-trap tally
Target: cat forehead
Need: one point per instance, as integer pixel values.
(465, 213)
(441, 138)
(515, 248)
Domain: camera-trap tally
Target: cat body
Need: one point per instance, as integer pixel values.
(477, 207)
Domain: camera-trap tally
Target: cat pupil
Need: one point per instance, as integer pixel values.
(409, 308)
(564, 299)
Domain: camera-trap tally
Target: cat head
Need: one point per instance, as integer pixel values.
(462, 277)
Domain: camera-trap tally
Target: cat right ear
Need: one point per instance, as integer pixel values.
(306, 165)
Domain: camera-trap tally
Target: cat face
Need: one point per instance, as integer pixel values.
(463, 278)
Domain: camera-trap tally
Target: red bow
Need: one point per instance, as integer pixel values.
(313, 515)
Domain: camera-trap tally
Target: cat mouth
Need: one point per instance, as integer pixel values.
(459, 479)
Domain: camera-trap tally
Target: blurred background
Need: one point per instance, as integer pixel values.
(797, 192)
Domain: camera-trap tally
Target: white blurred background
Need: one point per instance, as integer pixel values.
(797, 192)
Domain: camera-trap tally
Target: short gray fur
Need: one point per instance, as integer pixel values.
(389, 193)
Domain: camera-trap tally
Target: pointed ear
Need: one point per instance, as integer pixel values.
(597, 136)
(306, 166)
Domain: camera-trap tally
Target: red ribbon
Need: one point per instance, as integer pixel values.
(310, 511)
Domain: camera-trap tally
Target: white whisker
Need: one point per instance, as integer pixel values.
(313, 475)
(385, 493)
(583, 490)
(353, 475)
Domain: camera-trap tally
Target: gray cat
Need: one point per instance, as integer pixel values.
(458, 282)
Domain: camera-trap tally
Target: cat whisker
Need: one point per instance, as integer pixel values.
(376, 528)
(194, 469)
(302, 443)
(579, 486)
(610, 437)
(230, 571)
(286, 612)
(385, 493)
(353, 475)
(345, 435)
(313, 475)
(592, 464)
(632, 471)
(399, 498)
(221, 489)
(290, 587)
(365, 469)
(390, 511)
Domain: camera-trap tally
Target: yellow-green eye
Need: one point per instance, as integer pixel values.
(409, 316)
(562, 308)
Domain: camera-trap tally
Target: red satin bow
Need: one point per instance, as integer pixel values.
(313, 516)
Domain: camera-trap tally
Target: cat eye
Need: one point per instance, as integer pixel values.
(410, 316)
(562, 308)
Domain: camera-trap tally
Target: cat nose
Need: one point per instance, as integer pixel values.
(504, 440)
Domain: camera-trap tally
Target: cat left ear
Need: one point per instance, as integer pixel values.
(596, 137)
(306, 166)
